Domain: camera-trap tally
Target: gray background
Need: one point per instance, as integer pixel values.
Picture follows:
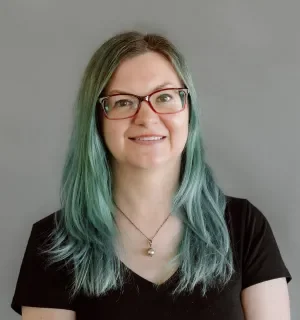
(244, 56)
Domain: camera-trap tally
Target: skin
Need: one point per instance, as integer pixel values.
(268, 300)
(145, 178)
(138, 76)
(29, 313)
(151, 171)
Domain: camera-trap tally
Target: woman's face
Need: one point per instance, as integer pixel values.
(142, 75)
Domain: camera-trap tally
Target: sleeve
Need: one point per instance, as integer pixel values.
(38, 284)
(262, 260)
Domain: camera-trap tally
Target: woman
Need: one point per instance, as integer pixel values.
(144, 230)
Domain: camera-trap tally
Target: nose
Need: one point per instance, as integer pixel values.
(145, 114)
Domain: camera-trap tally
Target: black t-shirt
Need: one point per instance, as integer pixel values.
(257, 259)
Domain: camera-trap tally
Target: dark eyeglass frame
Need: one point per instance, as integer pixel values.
(144, 98)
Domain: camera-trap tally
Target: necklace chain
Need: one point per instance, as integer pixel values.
(149, 239)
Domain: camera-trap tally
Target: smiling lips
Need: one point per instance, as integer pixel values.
(147, 138)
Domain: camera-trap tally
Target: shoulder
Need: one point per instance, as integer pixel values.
(235, 206)
(241, 212)
(245, 221)
(246, 224)
(40, 283)
(44, 227)
(254, 245)
(41, 236)
(47, 222)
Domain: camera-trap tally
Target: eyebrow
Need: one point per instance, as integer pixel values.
(161, 86)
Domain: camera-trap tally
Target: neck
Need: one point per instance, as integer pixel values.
(145, 194)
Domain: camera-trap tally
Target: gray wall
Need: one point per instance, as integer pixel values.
(245, 60)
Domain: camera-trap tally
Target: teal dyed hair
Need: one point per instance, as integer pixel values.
(85, 228)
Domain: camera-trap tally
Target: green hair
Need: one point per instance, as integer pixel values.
(85, 228)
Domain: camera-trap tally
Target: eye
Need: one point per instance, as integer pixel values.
(164, 97)
(123, 103)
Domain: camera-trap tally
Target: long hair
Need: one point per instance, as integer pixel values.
(85, 229)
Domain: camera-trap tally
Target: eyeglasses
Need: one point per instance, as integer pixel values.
(163, 101)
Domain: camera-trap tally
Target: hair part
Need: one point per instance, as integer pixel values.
(85, 229)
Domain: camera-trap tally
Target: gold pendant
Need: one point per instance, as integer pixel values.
(150, 250)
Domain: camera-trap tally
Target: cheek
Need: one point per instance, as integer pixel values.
(178, 129)
(113, 134)
(178, 123)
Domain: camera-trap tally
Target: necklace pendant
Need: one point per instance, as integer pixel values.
(150, 251)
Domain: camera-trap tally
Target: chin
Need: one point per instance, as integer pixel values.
(147, 164)
(154, 163)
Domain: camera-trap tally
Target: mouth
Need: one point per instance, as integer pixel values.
(148, 138)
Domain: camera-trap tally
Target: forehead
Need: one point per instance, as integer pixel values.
(141, 74)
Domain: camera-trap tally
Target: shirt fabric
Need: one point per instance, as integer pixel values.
(256, 255)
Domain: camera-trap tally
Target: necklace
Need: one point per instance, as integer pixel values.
(150, 250)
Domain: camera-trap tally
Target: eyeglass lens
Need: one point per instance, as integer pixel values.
(125, 105)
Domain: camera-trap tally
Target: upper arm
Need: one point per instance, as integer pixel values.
(267, 300)
(29, 313)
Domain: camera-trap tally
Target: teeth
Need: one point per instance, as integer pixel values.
(149, 138)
